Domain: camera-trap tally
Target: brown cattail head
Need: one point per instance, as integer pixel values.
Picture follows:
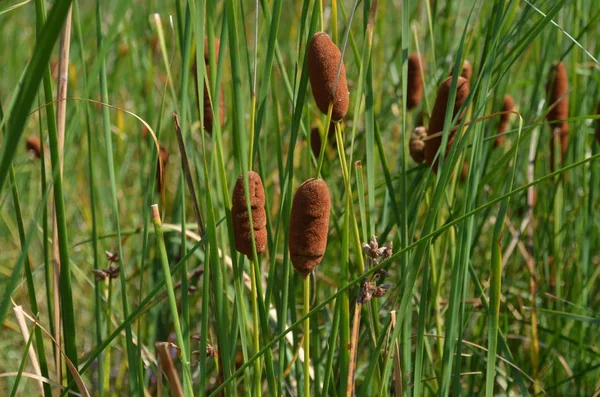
(207, 52)
(508, 105)
(34, 146)
(436, 124)
(161, 167)
(416, 145)
(309, 225)
(209, 119)
(241, 220)
(598, 124)
(557, 89)
(416, 70)
(324, 58)
(466, 72)
(464, 172)
(315, 139)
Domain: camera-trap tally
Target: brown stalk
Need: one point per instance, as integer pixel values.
(166, 366)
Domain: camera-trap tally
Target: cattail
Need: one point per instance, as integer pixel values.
(208, 110)
(598, 124)
(207, 52)
(438, 115)
(315, 139)
(34, 146)
(241, 220)
(161, 167)
(464, 172)
(466, 72)
(323, 60)
(416, 146)
(508, 105)
(309, 225)
(416, 69)
(557, 89)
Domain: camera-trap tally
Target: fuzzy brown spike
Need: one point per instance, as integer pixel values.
(206, 50)
(557, 89)
(466, 72)
(323, 60)
(598, 124)
(416, 146)
(508, 105)
(436, 124)
(315, 139)
(161, 167)
(241, 220)
(209, 119)
(309, 225)
(416, 70)
(34, 146)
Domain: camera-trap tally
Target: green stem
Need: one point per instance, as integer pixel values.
(306, 336)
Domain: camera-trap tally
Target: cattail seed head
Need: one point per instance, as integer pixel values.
(309, 225)
(209, 118)
(207, 52)
(161, 167)
(436, 124)
(416, 70)
(598, 124)
(557, 88)
(34, 146)
(324, 57)
(315, 139)
(466, 72)
(241, 219)
(416, 146)
(508, 105)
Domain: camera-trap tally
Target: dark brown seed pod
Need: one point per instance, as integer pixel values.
(464, 172)
(34, 146)
(309, 225)
(241, 220)
(557, 88)
(416, 70)
(598, 124)
(161, 167)
(315, 139)
(209, 119)
(416, 145)
(508, 105)
(466, 72)
(436, 124)
(323, 60)
(207, 52)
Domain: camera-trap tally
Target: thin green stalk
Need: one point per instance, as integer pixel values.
(256, 335)
(305, 311)
(187, 376)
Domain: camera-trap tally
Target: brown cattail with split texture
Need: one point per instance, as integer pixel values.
(557, 89)
(416, 70)
(315, 139)
(324, 57)
(309, 225)
(598, 124)
(438, 115)
(161, 167)
(241, 220)
(34, 146)
(508, 105)
(416, 146)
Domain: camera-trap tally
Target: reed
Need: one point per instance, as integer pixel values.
(324, 60)
(161, 168)
(598, 124)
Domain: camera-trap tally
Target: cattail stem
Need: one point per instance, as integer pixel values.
(256, 338)
(334, 24)
(306, 336)
(107, 367)
(324, 140)
(162, 252)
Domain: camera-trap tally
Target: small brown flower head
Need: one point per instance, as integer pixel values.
(598, 124)
(34, 146)
(324, 58)
(464, 172)
(241, 220)
(508, 105)
(466, 72)
(416, 70)
(161, 167)
(438, 115)
(309, 225)
(208, 110)
(207, 51)
(557, 89)
(416, 146)
(315, 139)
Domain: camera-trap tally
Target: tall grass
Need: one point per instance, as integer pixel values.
(493, 291)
